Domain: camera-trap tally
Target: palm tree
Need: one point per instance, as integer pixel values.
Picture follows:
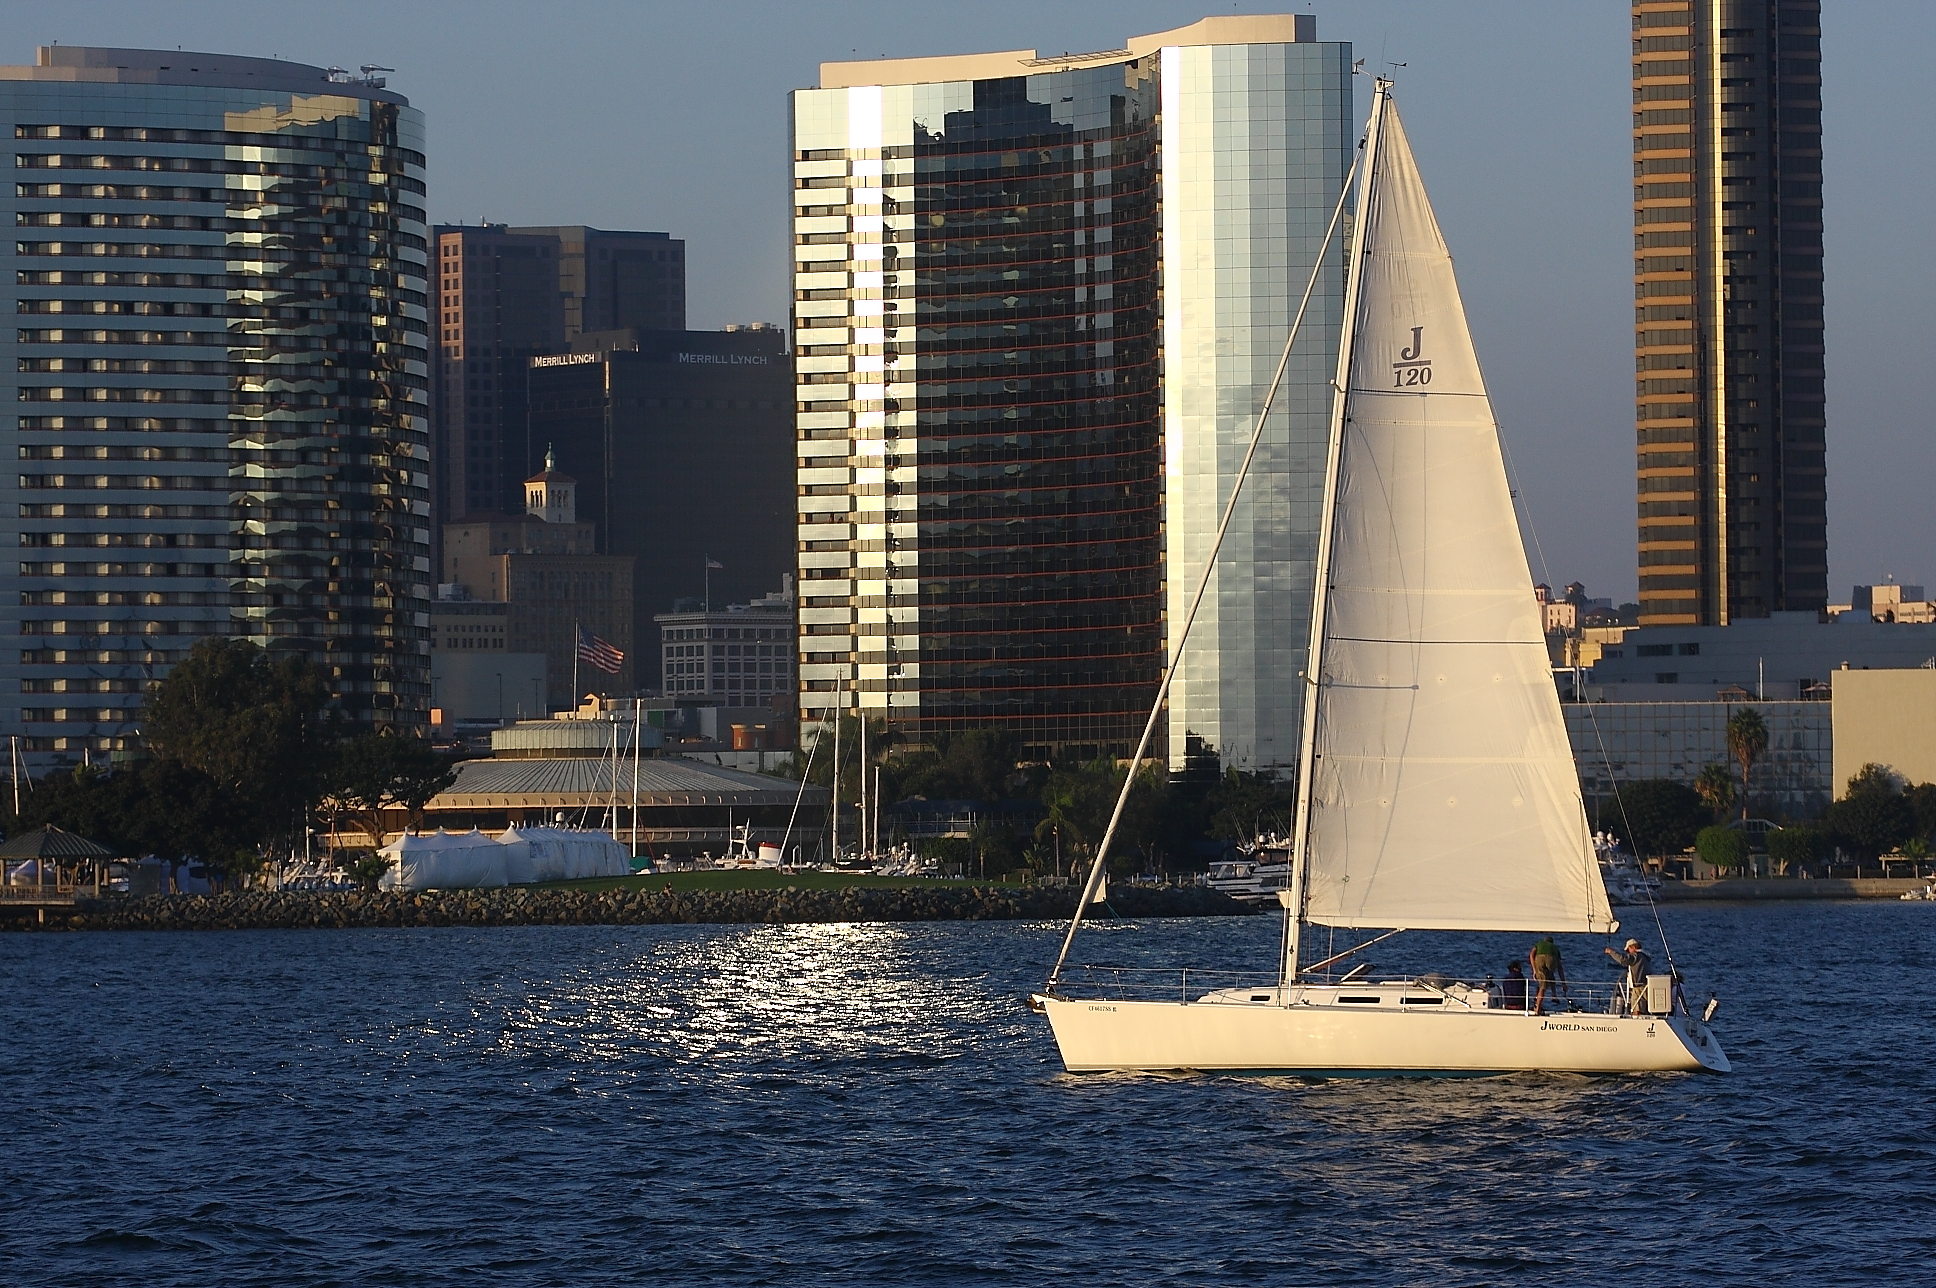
(1747, 742)
(1716, 788)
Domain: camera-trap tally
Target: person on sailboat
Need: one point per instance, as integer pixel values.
(1548, 972)
(1512, 991)
(1638, 965)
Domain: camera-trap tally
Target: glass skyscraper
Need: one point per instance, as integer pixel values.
(1037, 304)
(219, 370)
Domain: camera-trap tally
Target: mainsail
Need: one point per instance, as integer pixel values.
(1442, 789)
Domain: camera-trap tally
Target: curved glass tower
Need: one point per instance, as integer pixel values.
(1037, 303)
(220, 376)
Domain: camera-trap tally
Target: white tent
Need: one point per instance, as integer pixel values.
(473, 860)
(563, 854)
(444, 860)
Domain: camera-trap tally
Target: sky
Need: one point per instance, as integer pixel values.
(673, 117)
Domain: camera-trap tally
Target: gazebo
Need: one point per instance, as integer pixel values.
(45, 845)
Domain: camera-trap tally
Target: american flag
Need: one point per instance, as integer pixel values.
(598, 653)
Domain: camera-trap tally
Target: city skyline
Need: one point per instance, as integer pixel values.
(1536, 203)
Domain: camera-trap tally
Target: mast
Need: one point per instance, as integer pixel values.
(1320, 584)
(638, 723)
(1096, 868)
(834, 812)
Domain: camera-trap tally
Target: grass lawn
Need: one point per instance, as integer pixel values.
(755, 879)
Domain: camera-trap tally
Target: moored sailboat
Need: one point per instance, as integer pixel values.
(1436, 788)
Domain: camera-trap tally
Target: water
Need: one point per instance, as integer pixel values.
(873, 1105)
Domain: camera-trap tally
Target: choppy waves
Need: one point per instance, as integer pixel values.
(861, 1104)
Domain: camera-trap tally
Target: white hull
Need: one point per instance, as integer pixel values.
(1327, 1040)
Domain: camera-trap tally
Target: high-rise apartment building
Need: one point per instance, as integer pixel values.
(219, 382)
(1038, 301)
(1728, 309)
(505, 295)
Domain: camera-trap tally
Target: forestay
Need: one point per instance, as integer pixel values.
(1444, 794)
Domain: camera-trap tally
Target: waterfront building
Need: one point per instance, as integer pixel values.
(1885, 717)
(1023, 396)
(738, 656)
(682, 442)
(542, 769)
(1617, 743)
(219, 375)
(1728, 349)
(545, 567)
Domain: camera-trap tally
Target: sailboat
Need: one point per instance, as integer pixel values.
(1436, 788)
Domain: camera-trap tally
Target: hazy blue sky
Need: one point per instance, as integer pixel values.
(673, 117)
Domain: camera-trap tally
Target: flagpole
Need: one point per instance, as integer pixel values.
(708, 571)
(575, 629)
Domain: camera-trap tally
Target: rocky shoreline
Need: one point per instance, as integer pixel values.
(313, 910)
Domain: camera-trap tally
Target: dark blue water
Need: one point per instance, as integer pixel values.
(873, 1104)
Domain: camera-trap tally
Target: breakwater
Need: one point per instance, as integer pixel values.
(1790, 888)
(512, 906)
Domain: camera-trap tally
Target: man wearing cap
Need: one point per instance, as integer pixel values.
(1638, 965)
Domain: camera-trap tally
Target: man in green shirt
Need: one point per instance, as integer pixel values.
(1548, 972)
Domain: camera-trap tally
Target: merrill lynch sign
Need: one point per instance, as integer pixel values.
(704, 359)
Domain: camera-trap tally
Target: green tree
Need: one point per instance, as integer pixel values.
(1078, 804)
(1874, 817)
(1715, 786)
(1654, 816)
(159, 808)
(1922, 800)
(1723, 847)
(1244, 806)
(254, 725)
(380, 770)
(1747, 743)
(1793, 848)
(975, 765)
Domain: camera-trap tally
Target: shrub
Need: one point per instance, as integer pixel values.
(1723, 847)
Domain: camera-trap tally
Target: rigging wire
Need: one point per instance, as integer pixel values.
(1606, 757)
(1203, 582)
(806, 776)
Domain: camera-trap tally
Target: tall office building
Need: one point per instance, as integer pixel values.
(219, 373)
(498, 303)
(1037, 304)
(505, 295)
(1728, 309)
(682, 445)
(613, 280)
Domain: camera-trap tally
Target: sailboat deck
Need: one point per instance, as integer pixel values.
(1423, 994)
